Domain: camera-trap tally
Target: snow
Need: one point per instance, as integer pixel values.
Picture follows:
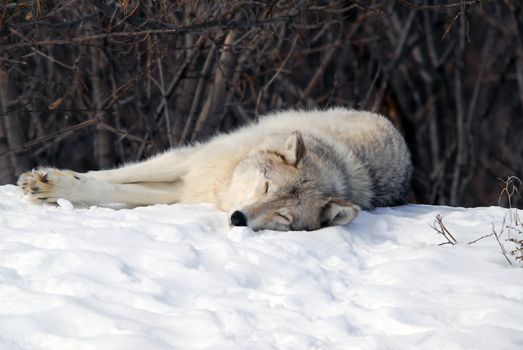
(178, 277)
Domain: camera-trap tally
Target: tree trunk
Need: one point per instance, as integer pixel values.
(103, 136)
(11, 133)
(6, 170)
(209, 118)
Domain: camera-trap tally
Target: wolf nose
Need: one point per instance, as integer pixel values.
(238, 219)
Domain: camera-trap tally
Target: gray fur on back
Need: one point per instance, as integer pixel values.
(387, 160)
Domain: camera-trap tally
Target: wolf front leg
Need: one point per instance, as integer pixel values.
(48, 185)
(165, 167)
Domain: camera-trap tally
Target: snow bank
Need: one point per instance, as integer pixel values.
(178, 277)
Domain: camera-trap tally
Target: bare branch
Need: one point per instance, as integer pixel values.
(442, 229)
(222, 24)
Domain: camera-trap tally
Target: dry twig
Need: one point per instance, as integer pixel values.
(442, 229)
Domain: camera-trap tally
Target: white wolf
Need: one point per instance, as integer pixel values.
(292, 170)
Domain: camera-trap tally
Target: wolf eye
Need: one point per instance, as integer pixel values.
(266, 188)
(286, 218)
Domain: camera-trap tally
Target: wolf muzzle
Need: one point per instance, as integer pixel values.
(238, 219)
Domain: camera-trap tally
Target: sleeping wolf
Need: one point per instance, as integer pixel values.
(291, 170)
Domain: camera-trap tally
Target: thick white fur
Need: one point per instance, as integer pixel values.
(202, 173)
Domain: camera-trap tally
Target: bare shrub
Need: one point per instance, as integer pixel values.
(508, 235)
(90, 84)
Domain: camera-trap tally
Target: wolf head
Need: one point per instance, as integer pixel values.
(280, 186)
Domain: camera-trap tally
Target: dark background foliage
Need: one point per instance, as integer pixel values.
(91, 84)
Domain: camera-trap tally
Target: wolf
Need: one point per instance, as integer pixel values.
(290, 170)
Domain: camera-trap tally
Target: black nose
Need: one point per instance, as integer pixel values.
(238, 219)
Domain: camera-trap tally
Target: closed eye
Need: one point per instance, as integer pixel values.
(266, 187)
(286, 218)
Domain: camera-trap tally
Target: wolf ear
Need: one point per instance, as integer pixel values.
(293, 149)
(338, 212)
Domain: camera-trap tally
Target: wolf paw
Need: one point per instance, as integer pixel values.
(47, 185)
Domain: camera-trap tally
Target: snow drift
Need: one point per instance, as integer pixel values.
(178, 277)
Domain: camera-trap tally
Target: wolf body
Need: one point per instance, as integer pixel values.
(291, 170)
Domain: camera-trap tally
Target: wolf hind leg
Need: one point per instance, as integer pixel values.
(48, 185)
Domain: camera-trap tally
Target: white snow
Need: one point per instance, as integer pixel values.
(178, 277)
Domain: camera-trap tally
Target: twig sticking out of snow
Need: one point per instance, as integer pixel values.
(497, 235)
(480, 238)
(510, 188)
(442, 229)
(512, 224)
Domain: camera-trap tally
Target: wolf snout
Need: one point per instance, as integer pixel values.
(238, 219)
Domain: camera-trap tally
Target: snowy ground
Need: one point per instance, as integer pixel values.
(177, 277)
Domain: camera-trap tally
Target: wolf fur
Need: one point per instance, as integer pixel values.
(291, 170)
